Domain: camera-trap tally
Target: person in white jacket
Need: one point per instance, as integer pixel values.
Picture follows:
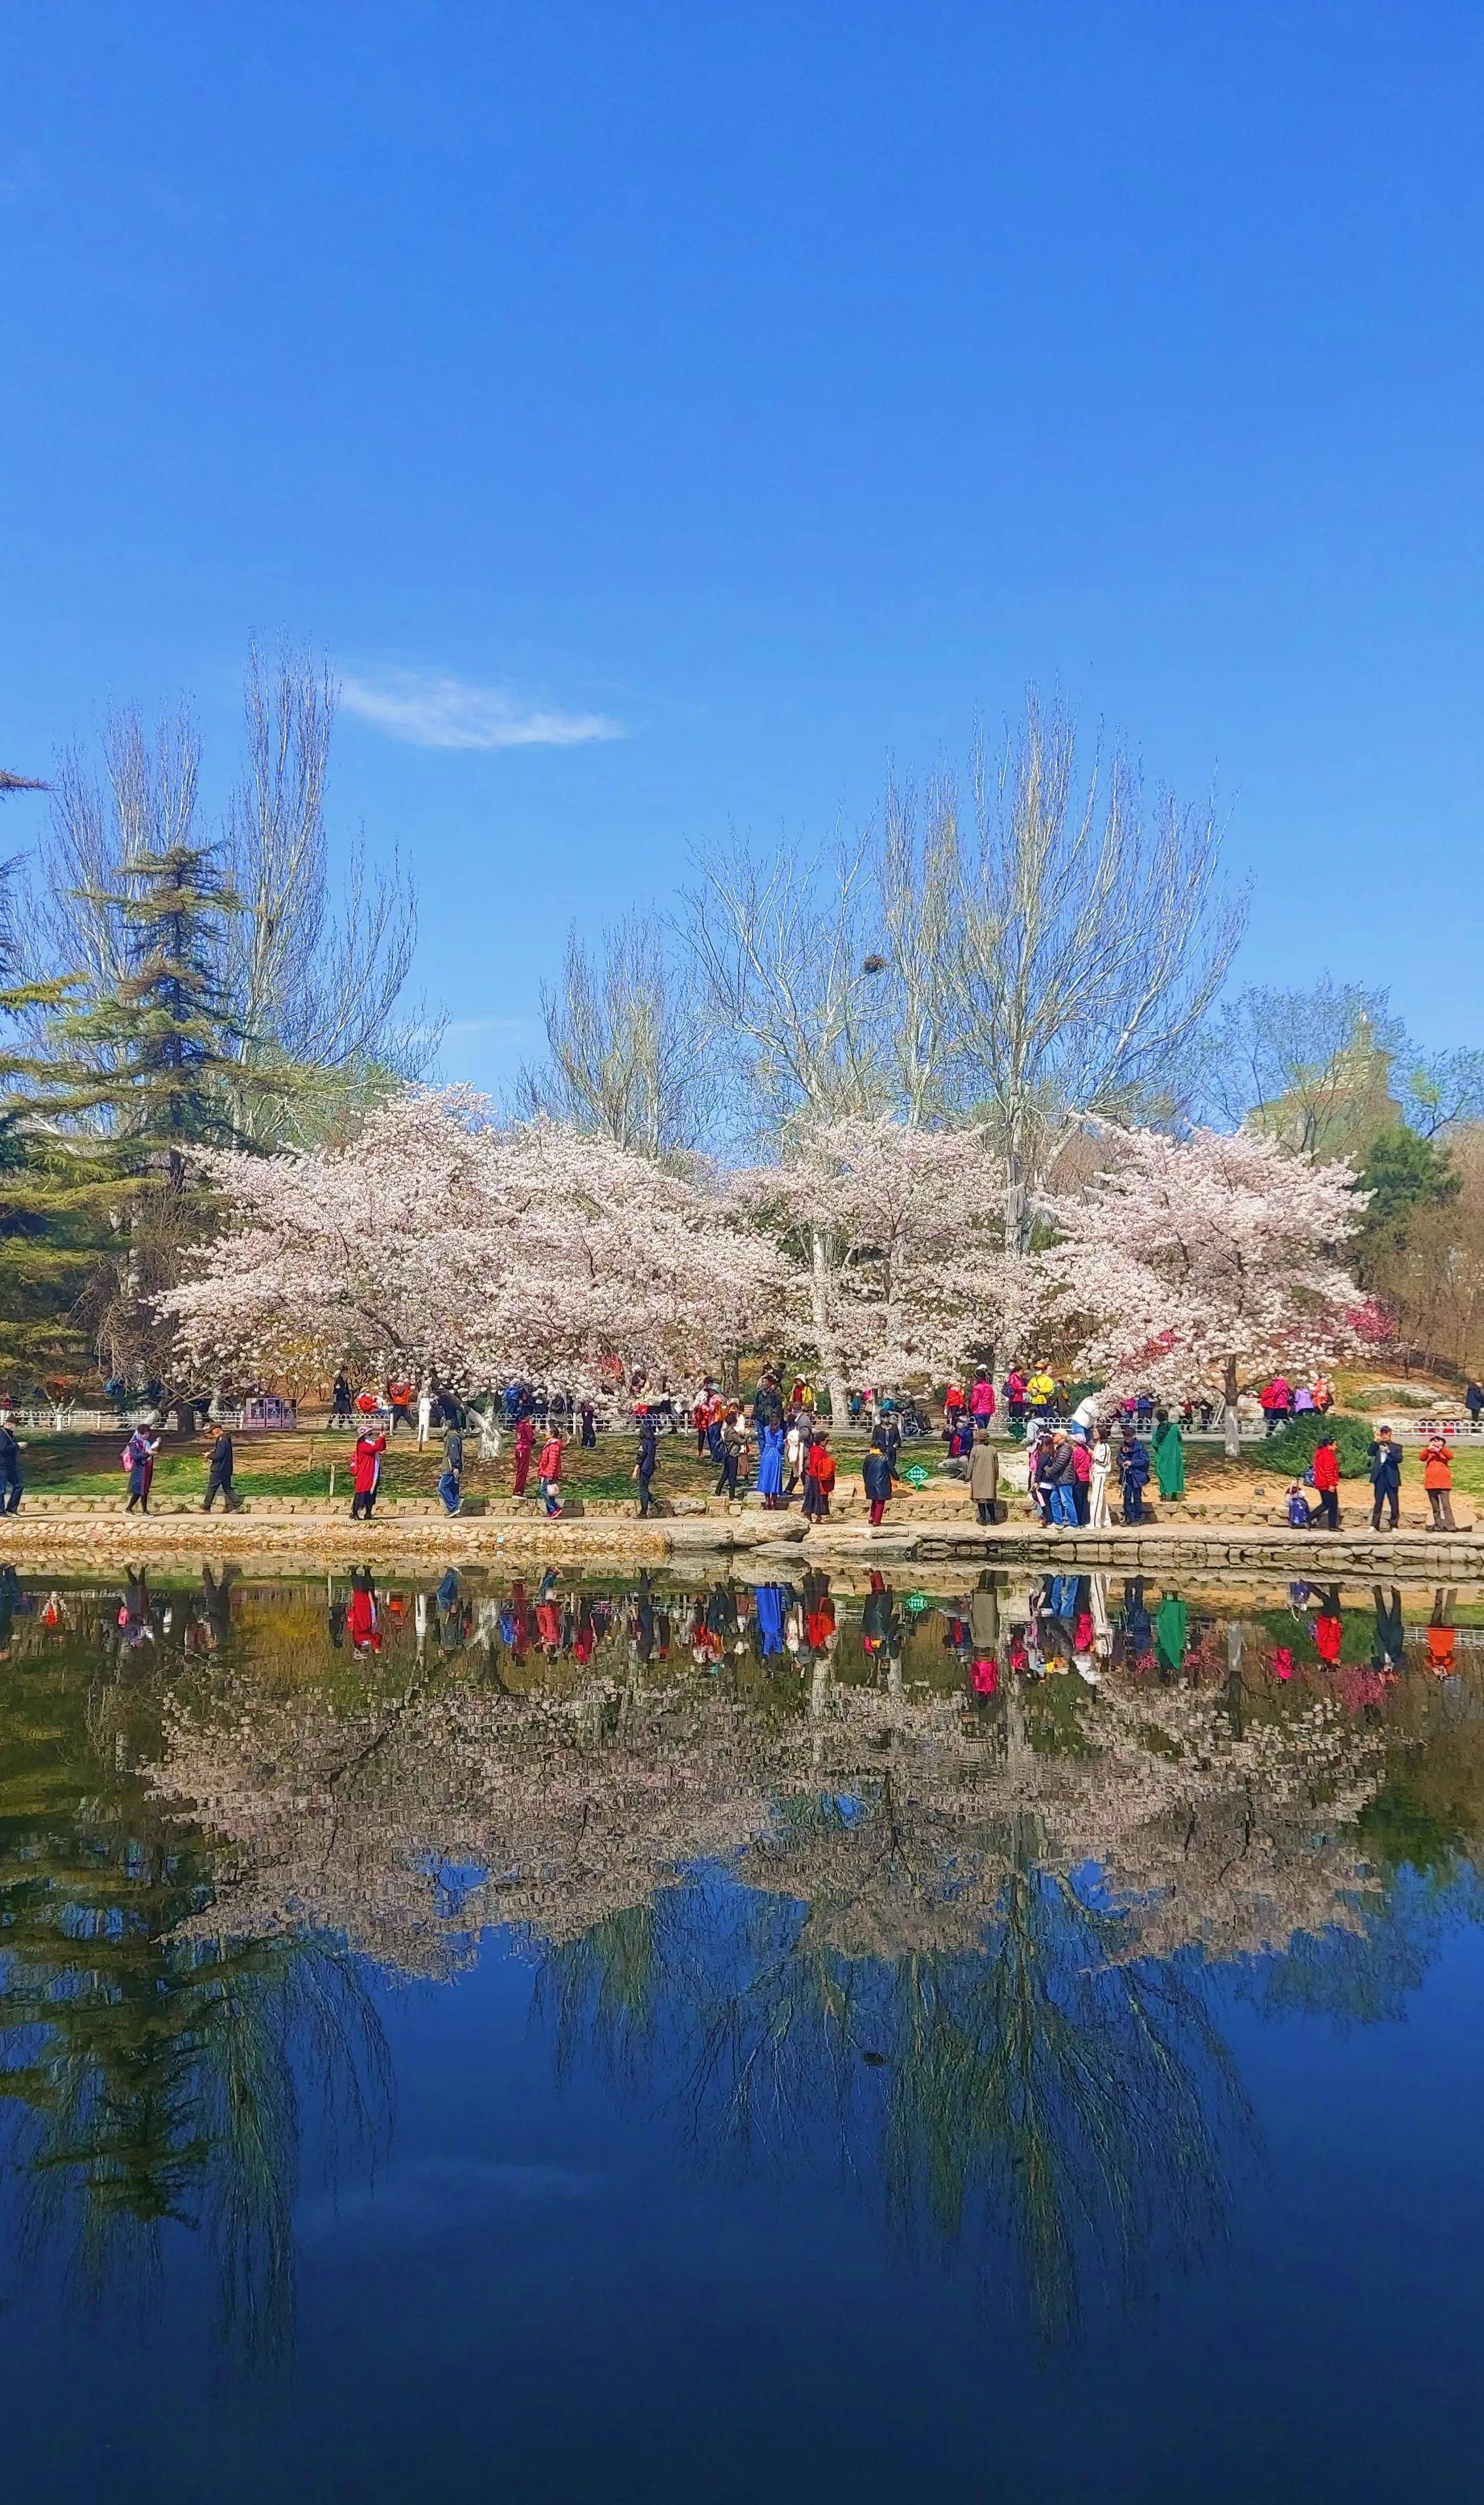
(1097, 1479)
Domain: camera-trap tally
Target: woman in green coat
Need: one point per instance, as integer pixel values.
(1169, 1449)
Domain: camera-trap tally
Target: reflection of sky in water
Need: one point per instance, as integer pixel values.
(684, 2040)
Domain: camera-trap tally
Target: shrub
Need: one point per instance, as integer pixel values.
(1292, 1450)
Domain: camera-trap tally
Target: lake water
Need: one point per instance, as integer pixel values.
(662, 2039)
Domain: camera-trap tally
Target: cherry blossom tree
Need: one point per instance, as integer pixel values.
(894, 1239)
(438, 1239)
(1203, 1263)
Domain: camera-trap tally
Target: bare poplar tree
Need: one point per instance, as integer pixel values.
(627, 1052)
(784, 954)
(312, 988)
(916, 872)
(1091, 942)
(316, 990)
(145, 803)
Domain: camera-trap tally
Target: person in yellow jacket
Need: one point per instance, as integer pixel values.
(1039, 1391)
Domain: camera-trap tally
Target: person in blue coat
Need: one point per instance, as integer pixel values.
(770, 1466)
(878, 1475)
(1385, 1477)
(1134, 1472)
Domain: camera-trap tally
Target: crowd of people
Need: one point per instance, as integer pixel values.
(1282, 1401)
(1084, 1454)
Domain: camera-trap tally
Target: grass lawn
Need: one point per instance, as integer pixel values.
(300, 1464)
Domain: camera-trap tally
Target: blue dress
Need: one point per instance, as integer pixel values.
(770, 1462)
(770, 1606)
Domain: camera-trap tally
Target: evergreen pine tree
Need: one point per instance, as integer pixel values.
(159, 1042)
(58, 1196)
(147, 1067)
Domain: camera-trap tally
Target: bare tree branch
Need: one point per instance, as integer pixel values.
(1091, 942)
(628, 1054)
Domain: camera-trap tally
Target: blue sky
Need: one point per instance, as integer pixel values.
(693, 408)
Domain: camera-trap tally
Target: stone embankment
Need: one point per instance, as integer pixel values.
(404, 1534)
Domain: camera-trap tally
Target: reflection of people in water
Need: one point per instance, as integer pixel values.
(216, 1601)
(771, 1602)
(11, 1598)
(1329, 1627)
(1442, 1637)
(1171, 1633)
(362, 1618)
(1138, 1628)
(134, 1627)
(880, 1626)
(1389, 1649)
(453, 1620)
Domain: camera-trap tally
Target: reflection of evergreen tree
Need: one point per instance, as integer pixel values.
(149, 2078)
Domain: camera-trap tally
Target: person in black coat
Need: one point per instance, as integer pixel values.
(645, 1466)
(11, 1450)
(218, 1470)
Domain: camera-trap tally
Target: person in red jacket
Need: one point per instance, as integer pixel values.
(548, 1470)
(818, 1480)
(1438, 1479)
(1327, 1482)
(525, 1445)
(366, 1467)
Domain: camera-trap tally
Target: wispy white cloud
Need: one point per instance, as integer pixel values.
(436, 711)
(489, 1026)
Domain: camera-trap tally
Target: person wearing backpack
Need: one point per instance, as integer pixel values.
(877, 1474)
(138, 1459)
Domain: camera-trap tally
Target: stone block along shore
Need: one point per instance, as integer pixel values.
(308, 1532)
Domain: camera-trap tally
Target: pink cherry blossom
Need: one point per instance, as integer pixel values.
(440, 1237)
(1204, 1262)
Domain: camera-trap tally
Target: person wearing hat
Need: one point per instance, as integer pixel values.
(1438, 1479)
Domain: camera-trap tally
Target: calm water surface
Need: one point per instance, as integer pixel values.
(663, 2039)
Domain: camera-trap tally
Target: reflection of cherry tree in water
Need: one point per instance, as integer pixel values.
(149, 2079)
(914, 1959)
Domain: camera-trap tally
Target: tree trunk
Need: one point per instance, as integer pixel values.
(1231, 1426)
(824, 1334)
